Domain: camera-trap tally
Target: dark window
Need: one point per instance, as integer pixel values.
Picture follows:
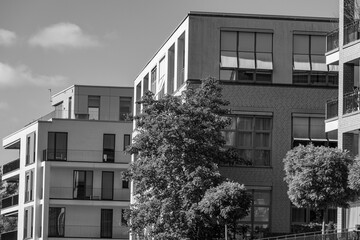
(109, 148)
(28, 139)
(127, 140)
(125, 108)
(153, 80)
(252, 136)
(83, 185)
(107, 186)
(106, 223)
(69, 107)
(125, 184)
(94, 107)
(311, 129)
(246, 56)
(56, 222)
(301, 216)
(180, 60)
(145, 84)
(28, 222)
(57, 146)
(171, 69)
(29, 185)
(123, 220)
(138, 98)
(309, 62)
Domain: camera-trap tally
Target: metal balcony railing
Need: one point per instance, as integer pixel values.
(90, 193)
(351, 32)
(332, 40)
(10, 201)
(351, 102)
(11, 166)
(9, 235)
(344, 234)
(86, 156)
(332, 108)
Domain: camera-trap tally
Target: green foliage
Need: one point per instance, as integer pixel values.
(7, 189)
(354, 176)
(178, 146)
(318, 177)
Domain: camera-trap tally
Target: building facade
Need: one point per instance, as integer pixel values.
(273, 72)
(343, 48)
(69, 167)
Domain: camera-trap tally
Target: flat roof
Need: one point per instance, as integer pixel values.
(92, 86)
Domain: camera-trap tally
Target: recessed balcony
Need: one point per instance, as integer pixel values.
(10, 201)
(11, 166)
(12, 235)
(90, 193)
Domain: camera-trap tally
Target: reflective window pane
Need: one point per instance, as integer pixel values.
(317, 128)
(262, 198)
(228, 41)
(262, 124)
(246, 60)
(244, 139)
(261, 214)
(301, 44)
(228, 59)
(246, 41)
(300, 127)
(244, 123)
(264, 42)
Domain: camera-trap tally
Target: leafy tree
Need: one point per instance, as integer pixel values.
(178, 147)
(317, 177)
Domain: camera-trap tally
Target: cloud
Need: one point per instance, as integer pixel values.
(22, 75)
(63, 35)
(4, 105)
(7, 38)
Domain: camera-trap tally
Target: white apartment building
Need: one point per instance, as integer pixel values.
(70, 165)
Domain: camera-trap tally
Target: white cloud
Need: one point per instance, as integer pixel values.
(7, 37)
(22, 75)
(63, 35)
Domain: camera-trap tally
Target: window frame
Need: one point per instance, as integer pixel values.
(55, 150)
(86, 196)
(94, 106)
(108, 152)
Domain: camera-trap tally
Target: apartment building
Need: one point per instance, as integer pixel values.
(273, 72)
(69, 167)
(343, 48)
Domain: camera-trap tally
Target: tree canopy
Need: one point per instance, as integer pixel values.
(317, 177)
(178, 147)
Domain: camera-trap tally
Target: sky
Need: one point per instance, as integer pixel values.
(49, 45)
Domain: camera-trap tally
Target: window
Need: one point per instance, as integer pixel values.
(58, 110)
(308, 129)
(252, 136)
(57, 146)
(83, 185)
(28, 222)
(109, 148)
(138, 98)
(259, 217)
(107, 186)
(125, 108)
(153, 80)
(171, 69)
(125, 184)
(56, 221)
(127, 140)
(94, 107)
(145, 84)
(246, 56)
(30, 148)
(106, 223)
(180, 60)
(29, 186)
(69, 107)
(162, 73)
(301, 216)
(309, 62)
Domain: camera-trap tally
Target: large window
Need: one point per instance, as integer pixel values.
(180, 60)
(246, 56)
(57, 146)
(83, 185)
(109, 148)
(106, 223)
(30, 148)
(252, 136)
(94, 107)
(309, 62)
(125, 108)
(107, 186)
(301, 216)
(29, 186)
(153, 80)
(28, 222)
(56, 222)
(171, 69)
(259, 217)
(127, 140)
(308, 129)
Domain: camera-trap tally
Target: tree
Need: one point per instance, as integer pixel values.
(317, 177)
(178, 147)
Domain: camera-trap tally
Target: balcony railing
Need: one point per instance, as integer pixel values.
(10, 201)
(9, 235)
(11, 166)
(82, 231)
(332, 108)
(90, 193)
(351, 32)
(85, 156)
(332, 40)
(351, 102)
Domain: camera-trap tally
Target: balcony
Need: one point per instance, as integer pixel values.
(351, 32)
(11, 166)
(351, 102)
(9, 235)
(82, 231)
(10, 201)
(332, 108)
(98, 156)
(332, 40)
(90, 193)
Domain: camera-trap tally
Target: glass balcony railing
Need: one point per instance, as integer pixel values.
(332, 40)
(11, 166)
(9, 235)
(90, 193)
(332, 108)
(10, 201)
(85, 156)
(83, 231)
(351, 102)
(351, 32)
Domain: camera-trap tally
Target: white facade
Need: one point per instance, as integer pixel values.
(70, 170)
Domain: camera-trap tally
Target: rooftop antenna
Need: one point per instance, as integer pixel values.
(50, 95)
